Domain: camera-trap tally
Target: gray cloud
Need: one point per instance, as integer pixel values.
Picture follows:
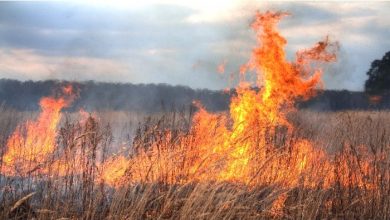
(159, 43)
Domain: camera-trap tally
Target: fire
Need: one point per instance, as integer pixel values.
(221, 67)
(257, 114)
(233, 147)
(253, 143)
(282, 83)
(33, 143)
(375, 99)
(113, 170)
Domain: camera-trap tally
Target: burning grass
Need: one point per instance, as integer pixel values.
(172, 192)
(262, 159)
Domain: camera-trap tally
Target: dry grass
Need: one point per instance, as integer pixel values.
(78, 196)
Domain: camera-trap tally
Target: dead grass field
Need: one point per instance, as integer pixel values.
(78, 196)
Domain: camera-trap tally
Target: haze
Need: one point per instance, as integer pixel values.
(178, 42)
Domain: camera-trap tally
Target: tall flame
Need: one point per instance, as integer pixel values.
(281, 82)
(235, 147)
(240, 145)
(33, 143)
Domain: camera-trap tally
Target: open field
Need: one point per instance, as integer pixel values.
(262, 158)
(353, 141)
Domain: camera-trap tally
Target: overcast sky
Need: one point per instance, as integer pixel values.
(178, 42)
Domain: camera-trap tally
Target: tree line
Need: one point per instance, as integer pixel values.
(95, 96)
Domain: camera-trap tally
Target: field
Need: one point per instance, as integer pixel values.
(262, 158)
(351, 139)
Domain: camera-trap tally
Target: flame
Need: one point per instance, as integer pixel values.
(113, 170)
(375, 99)
(241, 145)
(233, 147)
(256, 114)
(282, 83)
(33, 142)
(221, 67)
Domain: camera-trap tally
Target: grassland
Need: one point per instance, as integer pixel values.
(351, 139)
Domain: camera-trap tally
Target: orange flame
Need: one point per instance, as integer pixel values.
(33, 143)
(239, 146)
(234, 148)
(221, 67)
(113, 170)
(375, 99)
(282, 84)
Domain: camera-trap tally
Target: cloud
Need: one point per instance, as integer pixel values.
(28, 65)
(154, 42)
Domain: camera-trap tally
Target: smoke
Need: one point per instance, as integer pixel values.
(98, 96)
(154, 98)
(340, 75)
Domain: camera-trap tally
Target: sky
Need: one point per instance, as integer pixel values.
(180, 42)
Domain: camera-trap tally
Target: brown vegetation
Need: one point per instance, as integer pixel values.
(77, 195)
(260, 159)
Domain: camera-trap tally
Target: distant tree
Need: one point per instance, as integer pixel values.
(379, 76)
